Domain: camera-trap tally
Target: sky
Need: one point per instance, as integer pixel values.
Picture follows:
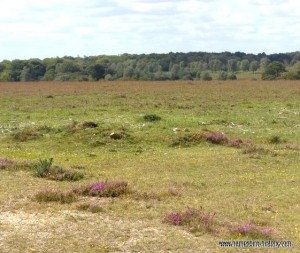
(51, 28)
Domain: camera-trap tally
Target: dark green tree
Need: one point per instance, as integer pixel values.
(16, 69)
(273, 70)
(96, 71)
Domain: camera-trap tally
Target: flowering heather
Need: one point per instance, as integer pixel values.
(104, 189)
(251, 230)
(217, 138)
(194, 219)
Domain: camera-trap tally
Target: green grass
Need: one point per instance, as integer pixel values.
(169, 164)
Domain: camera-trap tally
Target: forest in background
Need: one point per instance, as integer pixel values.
(171, 66)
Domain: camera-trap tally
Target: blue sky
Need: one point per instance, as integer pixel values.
(50, 28)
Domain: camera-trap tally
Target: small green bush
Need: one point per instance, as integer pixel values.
(206, 76)
(231, 76)
(275, 139)
(151, 117)
(89, 124)
(44, 169)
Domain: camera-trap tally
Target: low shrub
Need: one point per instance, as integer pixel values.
(117, 136)
(46, 130)
(89, 124)
(238, 143)
(94, 208)
(44, 169)
(26, 135)
(104, 189)
(275, 139)
(56, 196)
(188, 140)
(231, 76)
(217, 138)
(252, 149)
(151, 117)
(195, 220)
(11, 164)
(292, 147)
(5, 163)
(251, 230)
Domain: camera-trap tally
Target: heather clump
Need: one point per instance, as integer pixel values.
(195, 220)
(55, 196)
(217, 138)
(5, 163)
(251, 230)
(104, 189)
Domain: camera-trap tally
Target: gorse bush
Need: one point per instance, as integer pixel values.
(44, 169)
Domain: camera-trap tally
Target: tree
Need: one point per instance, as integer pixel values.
(68, 66)
(215, 65)
(273, 70)
(263, 63)
(16, 69)
(293, 72)
(253, 66)
(244, 65)
(96, 71)
(232, 65)
(25, 75)
(175, 72)
(33, 70)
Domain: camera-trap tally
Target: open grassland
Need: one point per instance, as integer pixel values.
(148, 166)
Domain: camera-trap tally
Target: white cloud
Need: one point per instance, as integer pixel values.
(41, 29)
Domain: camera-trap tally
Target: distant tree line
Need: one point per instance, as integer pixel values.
(171, 66)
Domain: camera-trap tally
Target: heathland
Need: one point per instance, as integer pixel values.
(132, 166)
